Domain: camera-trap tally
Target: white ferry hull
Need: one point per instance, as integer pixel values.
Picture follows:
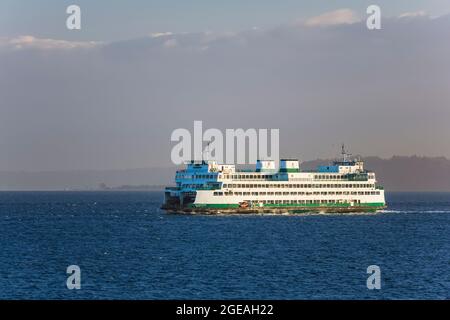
(209, 188)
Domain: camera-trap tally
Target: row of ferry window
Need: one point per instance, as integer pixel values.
(197, 176)
(307, 201)
(255, 176)
(324, 193)
(296, 186)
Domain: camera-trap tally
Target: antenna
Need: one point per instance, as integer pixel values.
(206, 151)
(344, 153)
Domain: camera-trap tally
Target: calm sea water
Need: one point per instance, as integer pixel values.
(129, 249)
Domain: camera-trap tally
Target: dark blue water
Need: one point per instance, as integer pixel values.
(128, 249)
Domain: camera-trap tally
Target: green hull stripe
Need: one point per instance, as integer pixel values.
(289, 170)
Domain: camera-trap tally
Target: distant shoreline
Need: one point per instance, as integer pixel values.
(399, 173)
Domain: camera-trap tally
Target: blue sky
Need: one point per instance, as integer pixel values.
(117, 20)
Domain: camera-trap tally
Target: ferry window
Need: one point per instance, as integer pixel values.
(285, 193)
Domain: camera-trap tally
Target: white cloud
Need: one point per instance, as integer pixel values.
(171, 43)
(27, 41)
(413, 14)
(332, 18)
(160, 34)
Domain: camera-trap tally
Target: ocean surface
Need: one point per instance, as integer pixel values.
(127, 248)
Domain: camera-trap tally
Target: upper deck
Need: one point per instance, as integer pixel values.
(210, 174)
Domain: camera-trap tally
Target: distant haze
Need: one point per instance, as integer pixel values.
(104, 105)
(395, 174)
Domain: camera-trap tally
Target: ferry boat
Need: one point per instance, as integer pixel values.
(211, 188)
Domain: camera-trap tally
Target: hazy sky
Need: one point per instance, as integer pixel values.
(109, 96)
(108, 20)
